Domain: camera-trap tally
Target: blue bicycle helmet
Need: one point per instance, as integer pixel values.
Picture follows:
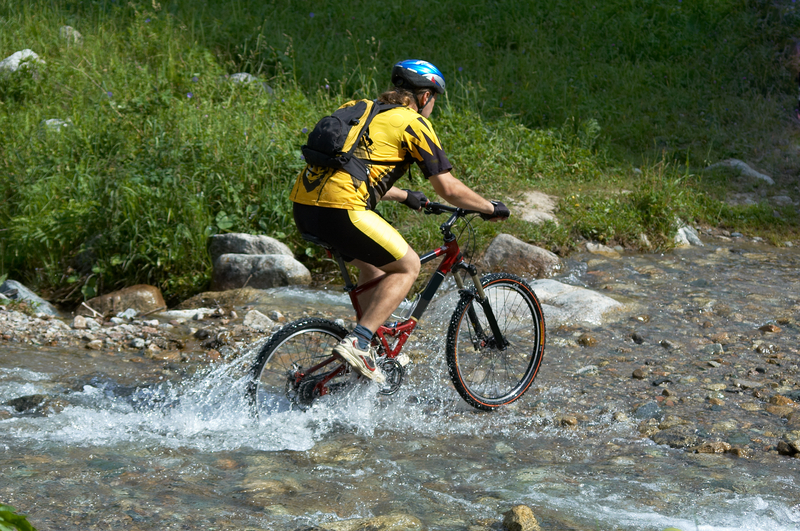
(415, 74)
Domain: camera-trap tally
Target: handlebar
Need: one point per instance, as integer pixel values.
(439, 208)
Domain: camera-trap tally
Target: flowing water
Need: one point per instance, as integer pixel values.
(125, 445)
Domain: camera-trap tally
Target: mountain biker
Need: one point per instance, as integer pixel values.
(337, 208)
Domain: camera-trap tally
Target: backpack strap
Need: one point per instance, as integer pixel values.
(355, 166)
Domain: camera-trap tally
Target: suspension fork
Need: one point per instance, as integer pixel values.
(480, 296)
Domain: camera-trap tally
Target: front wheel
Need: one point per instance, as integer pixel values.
(489, 372)
(294, 365)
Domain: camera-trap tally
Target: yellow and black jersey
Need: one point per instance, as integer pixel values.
(397, 138)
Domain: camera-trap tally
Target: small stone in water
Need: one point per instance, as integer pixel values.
(780, 400)
(669, 345)
(648, 411)
(714, 447)
(520, 518)
(769, 327)
(587, 340)
(95, 344)
(637, 338)
(79, 323)
(640, 374)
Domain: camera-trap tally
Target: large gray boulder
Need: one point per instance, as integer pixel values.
(260, 271)
(16, 291)
(239, 243)
(511, 255)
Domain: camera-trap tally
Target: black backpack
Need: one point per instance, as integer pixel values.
(334, 139)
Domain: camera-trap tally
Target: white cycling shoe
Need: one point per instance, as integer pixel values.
(362, 361)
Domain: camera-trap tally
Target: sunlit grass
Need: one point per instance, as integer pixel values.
(163, 148)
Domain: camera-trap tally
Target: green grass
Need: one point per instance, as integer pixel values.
(568, 98)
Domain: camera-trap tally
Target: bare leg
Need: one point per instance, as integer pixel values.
(379, 302)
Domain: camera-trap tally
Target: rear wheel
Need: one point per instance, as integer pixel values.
(485, 373)
(285, 374)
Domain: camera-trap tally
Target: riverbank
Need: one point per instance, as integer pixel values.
(678, 410)
(679, 381)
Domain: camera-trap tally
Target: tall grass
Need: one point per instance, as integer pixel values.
(163, 148)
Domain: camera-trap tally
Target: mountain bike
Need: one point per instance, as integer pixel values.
(494, 347)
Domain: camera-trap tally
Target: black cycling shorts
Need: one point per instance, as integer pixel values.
(356, 234)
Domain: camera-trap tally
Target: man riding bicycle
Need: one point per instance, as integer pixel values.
(335, 207)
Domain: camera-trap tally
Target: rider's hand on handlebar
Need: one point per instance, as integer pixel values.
(500, 213)
(415, 200)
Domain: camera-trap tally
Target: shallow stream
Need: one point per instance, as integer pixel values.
(129, 445)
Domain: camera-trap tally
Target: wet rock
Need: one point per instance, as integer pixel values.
(261, 271)
(650, 410)
(389, 522)
(714, 349)
(788, 448)
(507, 253)
(640, 373)
(669, 345)
(275, 315)
(637, 338)
(565, 304)
(568, 421)
(16, 291)
(586, 340)
(603, 250)
(520, 518)
(138, 343)
(258, 321)
(239, 243)
(142, 298)
(79, 323)
(770, 327)
(589, 369)
(793, 420)
(28, 403)
(95, 344)
(670, 421)
(743, 452)
(780, 400)
(748, 384)
(676, 437)
(780, 411)
(713, 447)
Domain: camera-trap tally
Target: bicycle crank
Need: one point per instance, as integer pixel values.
(394, 371)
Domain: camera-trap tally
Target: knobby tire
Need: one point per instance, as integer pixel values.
(299, 345)
(485, 374)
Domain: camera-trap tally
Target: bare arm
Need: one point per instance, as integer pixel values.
(395, 194)
(459, 194)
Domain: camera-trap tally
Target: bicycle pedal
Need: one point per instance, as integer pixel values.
(403, 359)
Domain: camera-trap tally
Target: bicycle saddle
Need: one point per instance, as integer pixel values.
(313, 239)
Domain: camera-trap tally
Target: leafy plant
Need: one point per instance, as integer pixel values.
(11, 521)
